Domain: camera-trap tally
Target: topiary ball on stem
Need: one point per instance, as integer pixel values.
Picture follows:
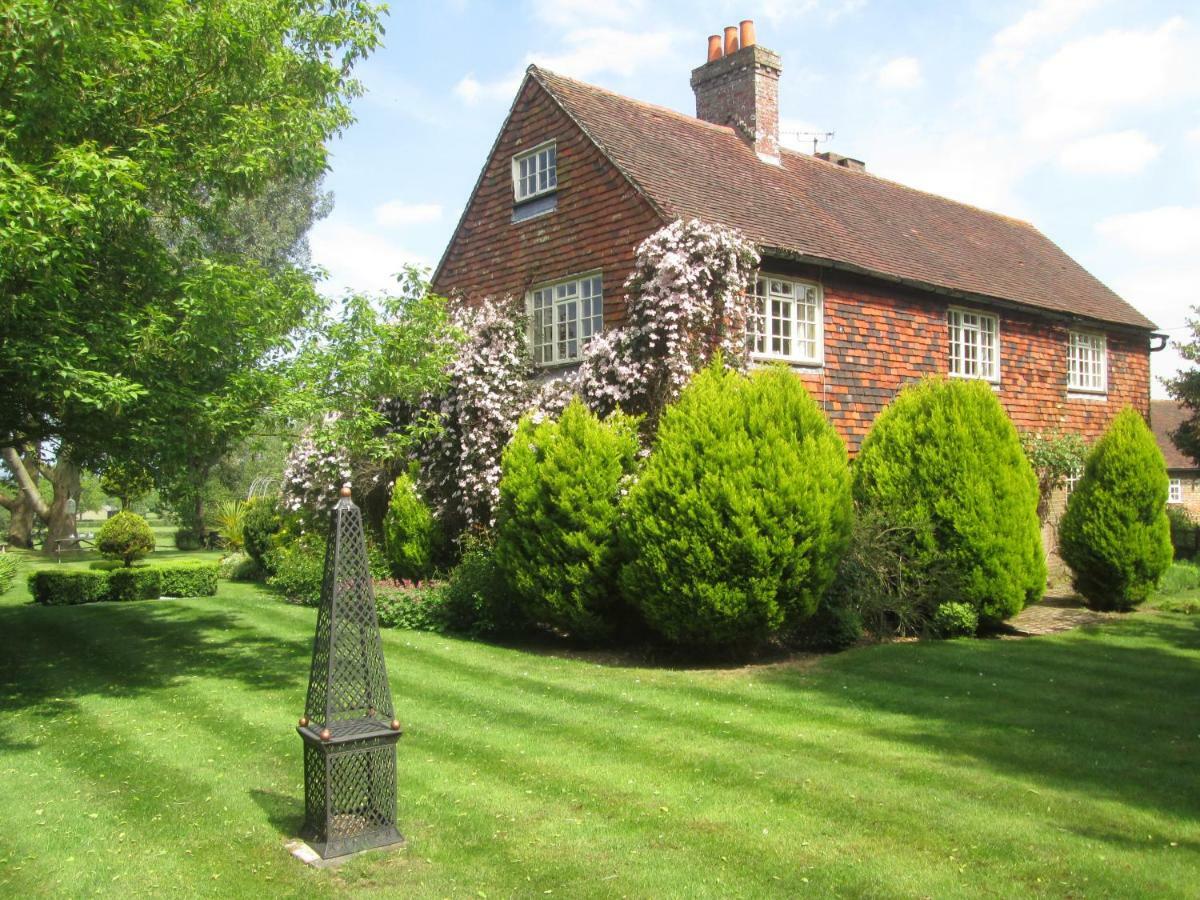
(126, 536)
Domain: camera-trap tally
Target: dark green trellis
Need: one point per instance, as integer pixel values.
(349, 726)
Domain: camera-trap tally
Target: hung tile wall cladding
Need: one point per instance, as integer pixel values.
(890, 261)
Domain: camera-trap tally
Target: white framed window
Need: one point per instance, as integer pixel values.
(787, 321)
(974, 344)
(1175, 490)
(1087, 362)
(564, 316)
(535, 172)
(1072, 481)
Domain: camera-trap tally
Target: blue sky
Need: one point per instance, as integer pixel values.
(1081, 116)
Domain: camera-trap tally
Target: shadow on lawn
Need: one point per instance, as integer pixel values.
(50, 655)
(1108, 710)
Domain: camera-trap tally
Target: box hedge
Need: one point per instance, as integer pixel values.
(140, 583)
(189, 579)
(68, 587)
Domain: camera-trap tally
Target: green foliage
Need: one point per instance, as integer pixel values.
(1055, 457)
(68, 587)
(943, 464)
(1179, 578)
(408, 532)
(240, 567)
(1183, 531)
(188, 539)
(556, 532)
(475, 599)
(407, 605)
(189, 579)
(126, 536)
(8, 571)
(130, 132)
(952, 619)
(831, 628)
(261, 521)
(127, 481)
(1115, 534)
(139, 583)
(297, 569)
(228, 521)
(736, 525)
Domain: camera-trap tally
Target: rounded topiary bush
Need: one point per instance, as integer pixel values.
(1115, 534)
(735, 527)
(943, 467)
(126, 536)
(408, 532)
(261, 521)
(556, 542)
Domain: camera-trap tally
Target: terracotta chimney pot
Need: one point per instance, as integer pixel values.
(731, 39)
(715, 49)
(747, 29)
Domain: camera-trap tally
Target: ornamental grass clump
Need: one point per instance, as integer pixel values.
(735, 526)
(1115, 534)
(944, 468)
(556, 542)
(126, 536)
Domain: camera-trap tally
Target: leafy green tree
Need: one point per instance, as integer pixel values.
(944, 467)
(132, 138)
(556, 530)
(126, 536)
(127, 481)
(735, 526)
(1115, 534)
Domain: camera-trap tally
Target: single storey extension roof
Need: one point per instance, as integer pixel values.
(1165, 417)
(816, 210)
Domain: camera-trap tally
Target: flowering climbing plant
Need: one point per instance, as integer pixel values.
(687, 299)
(314, 471)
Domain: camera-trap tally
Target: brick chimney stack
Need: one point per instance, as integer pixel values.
(739, 87)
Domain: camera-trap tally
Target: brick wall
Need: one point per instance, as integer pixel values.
(598, 222)
(742, 90)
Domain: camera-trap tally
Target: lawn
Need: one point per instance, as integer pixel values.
(148, 749)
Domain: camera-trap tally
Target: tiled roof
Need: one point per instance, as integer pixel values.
(1165, 417)
(814, 209)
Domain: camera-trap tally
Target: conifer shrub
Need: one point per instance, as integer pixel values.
(1115, 534)
(735, 526)
(556, 532)
(261, 521)
(944, 468)
(126, 536)
(408, 533)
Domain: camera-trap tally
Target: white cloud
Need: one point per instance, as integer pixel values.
(571, 13)
(1168, 231)
(1193, 136)
(1087, 80)
(397, 213)
(778, 11)
(471, 91)
(356, 259)
(1046, 19)
(1115, 153)
(902, 73)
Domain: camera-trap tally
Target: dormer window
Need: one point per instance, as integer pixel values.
(535, 172)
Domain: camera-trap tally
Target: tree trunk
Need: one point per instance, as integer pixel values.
(64, 478)
(20, 513)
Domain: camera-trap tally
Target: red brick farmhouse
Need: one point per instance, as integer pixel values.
(865, 284)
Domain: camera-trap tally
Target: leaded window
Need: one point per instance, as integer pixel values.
(565, 316)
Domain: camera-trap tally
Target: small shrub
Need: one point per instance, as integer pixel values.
(240, 567)
(228, 521)
(475, 599)
(261, 521)
(951, 620)
(1183, 532)
(8, 571)
(188, 539)
(297, 570)
(401, 604)
(138, 583)
(1180, 577)
(126, 536)
(556, 531)
(107, 565)
(831, 628)
(189, 579)
(735, 526)
(1189, 606)
(55, 587)
(1115, 534)
(408, 532)
(944, 465)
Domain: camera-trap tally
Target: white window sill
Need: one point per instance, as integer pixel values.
(1087, 396)
(800, 364)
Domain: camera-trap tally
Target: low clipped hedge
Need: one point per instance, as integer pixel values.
(51, 587)
(71, 587)
(189, 579)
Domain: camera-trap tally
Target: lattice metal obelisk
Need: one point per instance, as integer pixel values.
(349, 729)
